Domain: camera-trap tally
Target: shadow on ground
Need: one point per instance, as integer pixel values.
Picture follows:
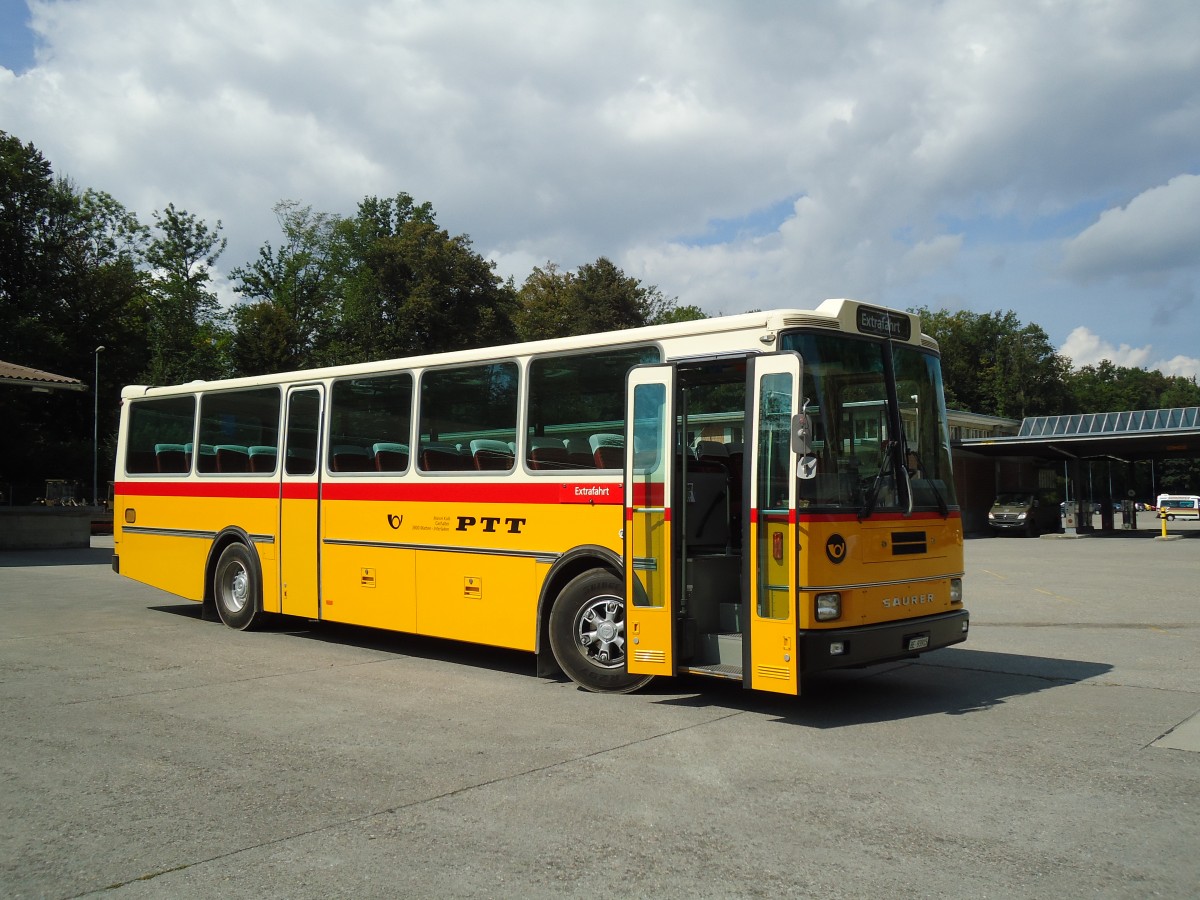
(952, 681)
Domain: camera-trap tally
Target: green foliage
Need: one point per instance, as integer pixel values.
(409, 287)
(993, 364)
(598, 297)
(1106, 387)
(293, 293)
(679, 314)
(32, 206)
(385, 283)
(188, 331)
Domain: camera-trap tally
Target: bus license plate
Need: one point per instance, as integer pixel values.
(920, 642)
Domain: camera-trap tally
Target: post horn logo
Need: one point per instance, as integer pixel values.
(835, 548)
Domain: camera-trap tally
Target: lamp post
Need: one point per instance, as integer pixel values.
(96, 429)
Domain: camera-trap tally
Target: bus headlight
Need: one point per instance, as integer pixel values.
(828, 606)
(956, 590)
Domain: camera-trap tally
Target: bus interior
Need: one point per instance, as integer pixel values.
(709, 491)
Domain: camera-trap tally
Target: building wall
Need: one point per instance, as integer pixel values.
(977, 480)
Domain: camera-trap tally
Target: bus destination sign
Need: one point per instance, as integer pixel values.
(882, 323)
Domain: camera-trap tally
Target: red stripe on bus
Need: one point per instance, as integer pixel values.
(257, 490)
(648, 494)
(545, 493)
(791, 516)
(450, 491)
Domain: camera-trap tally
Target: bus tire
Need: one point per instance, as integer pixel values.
(587, 633)
(237, 592)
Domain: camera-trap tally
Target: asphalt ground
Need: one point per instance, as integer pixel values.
(148, 753)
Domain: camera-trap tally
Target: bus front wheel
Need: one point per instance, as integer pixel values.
(587, 633)
(236, 588)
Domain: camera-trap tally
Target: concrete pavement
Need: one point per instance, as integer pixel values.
(147, 753)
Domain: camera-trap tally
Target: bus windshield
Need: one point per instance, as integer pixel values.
(861, 437)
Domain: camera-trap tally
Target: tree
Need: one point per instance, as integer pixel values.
(1180, 392)
(1106, 387)
(30, 204)
(293, 292)
(70, 280)
(993, 364)
(598, 297)
(680, 314)
(188, 333)
(265, 340)
(104, 301)
(409, 287)
(547, 305)
(608, 299)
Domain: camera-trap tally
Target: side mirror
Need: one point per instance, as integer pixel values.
(801, 434)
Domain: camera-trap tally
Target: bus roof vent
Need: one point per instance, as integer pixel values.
(929, 343)
(802, 321)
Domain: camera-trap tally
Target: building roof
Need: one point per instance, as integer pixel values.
(1142, 434)
(23, 376)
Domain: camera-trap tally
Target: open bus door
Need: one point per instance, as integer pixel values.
(650, 439)
(654, 540)
(772, 569)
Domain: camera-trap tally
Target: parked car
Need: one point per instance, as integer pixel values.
(1029, 513)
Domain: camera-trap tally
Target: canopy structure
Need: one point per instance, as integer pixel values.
(1125, 436)
(12, 375)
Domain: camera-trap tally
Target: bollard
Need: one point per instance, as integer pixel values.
(1163, 516)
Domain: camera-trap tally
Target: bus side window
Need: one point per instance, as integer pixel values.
(574, 398)
(231, 422)
(468, 418)
(158, 431)
(370, 423)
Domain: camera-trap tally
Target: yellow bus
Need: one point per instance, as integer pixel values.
(756, 497)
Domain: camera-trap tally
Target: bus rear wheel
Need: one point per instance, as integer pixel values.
(236, 588)
(587, 633)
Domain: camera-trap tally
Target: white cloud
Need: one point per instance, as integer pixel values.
(1086, 348)
(940, 151)
(1157, 231)
(929, 256)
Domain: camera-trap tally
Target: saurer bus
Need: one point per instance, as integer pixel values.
(758, 497)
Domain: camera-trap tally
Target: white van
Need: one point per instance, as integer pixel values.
(1179, 506)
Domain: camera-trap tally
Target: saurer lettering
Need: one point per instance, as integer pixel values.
(911, 600)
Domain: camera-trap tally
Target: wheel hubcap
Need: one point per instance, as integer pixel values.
(236, 589)
(600, 632)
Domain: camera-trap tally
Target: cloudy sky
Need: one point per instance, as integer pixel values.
(1042, 157)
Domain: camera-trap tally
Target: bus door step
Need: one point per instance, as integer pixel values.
(720, 649)
(734, 673)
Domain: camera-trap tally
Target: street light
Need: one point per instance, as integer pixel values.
(96, 429)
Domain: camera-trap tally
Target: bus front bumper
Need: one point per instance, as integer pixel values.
(866, 645)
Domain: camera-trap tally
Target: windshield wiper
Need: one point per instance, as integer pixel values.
(889, 462)
(943, 508)
(941, 501)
